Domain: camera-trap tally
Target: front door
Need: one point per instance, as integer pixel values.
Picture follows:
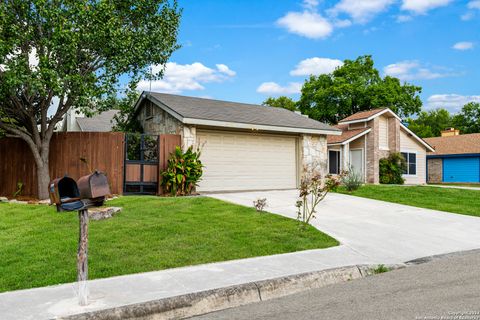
(356, 161)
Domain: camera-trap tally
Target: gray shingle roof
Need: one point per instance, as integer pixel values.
(225, 111)
(98, 123)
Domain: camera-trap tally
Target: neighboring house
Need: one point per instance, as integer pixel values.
(244, 146)
(369, 136)
(74, 121)
(456, 157)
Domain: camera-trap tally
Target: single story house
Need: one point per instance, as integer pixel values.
(75, 121)
(244, 146)
(456, 157)
(369, 136)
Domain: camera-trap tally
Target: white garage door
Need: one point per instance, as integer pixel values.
(247, 161)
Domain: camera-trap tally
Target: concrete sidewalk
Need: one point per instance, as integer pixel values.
(452, 187)
(371, 232)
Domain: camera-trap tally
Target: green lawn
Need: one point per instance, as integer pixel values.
(475, 185)
(38, 245)
(452, 200)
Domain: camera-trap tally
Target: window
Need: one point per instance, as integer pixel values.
(148, 111)
(333, 162)
(411, 159)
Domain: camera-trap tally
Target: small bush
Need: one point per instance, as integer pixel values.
(391, 169)
(352, 180)
(260, 204)
(184, 171)
(380, 269)
(313, 189)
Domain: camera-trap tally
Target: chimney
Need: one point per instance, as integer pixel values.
(450, 132)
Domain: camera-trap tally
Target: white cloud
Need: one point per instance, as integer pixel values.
(467, 16)
(475, 4)
(307, 24)
(315, 66)
(451, 102)
(178, 77)
(463, 45)
(226, 70)
(310, 4)
(273, 88)
(413, 70)
(404, 18)
(422, 6)
(361, 11)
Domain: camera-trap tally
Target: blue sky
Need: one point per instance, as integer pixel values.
(246, 51)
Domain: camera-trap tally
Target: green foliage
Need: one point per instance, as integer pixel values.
(430, 123)
(391, 169)
(352, 180)
(184, 171)
(356, 86)
(281, 102)
(76, 54)
(19, 190)
(468, 120)
(124, 120)
(381, 268)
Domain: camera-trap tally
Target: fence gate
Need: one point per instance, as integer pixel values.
(141, 164)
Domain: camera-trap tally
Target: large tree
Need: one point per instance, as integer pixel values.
(430, 123)
(468, 120)
(59, 54)
(281, 102)
(356, 86)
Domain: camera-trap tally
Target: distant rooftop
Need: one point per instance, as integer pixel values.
(102, 122)
(461, 144)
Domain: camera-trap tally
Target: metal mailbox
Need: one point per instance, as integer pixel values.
(64, 194)
(94, 188)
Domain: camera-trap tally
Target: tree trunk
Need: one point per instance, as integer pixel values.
(43, 178)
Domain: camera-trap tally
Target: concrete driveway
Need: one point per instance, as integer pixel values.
(377, 231)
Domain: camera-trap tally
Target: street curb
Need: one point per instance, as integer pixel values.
(202, 302)
(441, 256)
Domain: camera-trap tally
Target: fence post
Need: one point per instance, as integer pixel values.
(82, 257)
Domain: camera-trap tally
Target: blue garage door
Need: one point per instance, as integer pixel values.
(464, 169)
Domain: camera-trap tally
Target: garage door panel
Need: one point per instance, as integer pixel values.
(463, 169)
(242, 161)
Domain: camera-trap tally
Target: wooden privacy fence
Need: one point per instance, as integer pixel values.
(104, 151)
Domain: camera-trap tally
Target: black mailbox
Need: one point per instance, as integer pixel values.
(94, 188)
(64, 194)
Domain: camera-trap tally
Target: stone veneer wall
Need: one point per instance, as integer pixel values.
(160, 122)
(435, 170)
(314, 152)
(189, 136)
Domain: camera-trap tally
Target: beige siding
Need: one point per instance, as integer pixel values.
(383, 133)
(358, 143)
(357, 125)
(410, 144)
(247, 161)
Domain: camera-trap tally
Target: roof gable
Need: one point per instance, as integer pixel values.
(368, 115)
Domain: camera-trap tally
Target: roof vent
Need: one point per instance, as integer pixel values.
(300, 113)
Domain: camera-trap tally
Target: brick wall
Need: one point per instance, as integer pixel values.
(435, 170)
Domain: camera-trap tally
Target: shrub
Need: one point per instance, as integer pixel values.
(184, 171)
(260, 204)
(391, 169)
(352, 180)
(313, 189)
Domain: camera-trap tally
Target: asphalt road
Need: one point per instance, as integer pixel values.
(448, 288)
